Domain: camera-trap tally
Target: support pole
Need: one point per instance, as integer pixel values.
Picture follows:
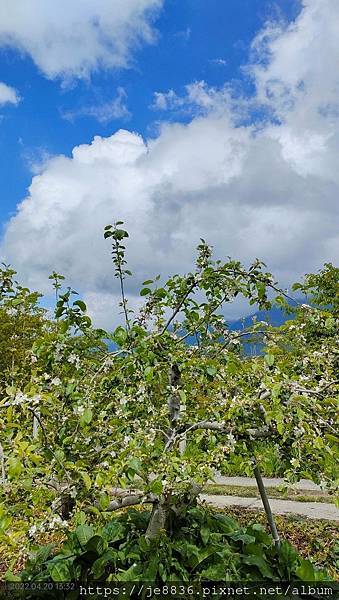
(2, 467)
(266, 504)
(35, 424)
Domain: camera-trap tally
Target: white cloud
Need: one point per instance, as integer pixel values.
(269, 192)
(296, 65)
(220, 62)
(199, 98)
(71, 39)
(104, 113)
(184, 35)
(8, 95)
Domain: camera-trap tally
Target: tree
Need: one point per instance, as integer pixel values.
(22, 321)
(152, 420)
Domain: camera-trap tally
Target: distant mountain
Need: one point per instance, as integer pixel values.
(275, 316)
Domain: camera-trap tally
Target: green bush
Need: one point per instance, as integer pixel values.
(201, 546)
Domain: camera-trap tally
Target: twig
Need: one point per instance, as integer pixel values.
(47, 443)
(178, 307)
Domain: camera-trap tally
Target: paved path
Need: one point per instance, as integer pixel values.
(312, 510)
(303, 484)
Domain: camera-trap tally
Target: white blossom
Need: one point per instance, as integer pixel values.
(33, 530)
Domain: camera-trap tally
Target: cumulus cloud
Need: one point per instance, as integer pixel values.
(71, 39)
(295, 66)
(269, 192)
(8, 95)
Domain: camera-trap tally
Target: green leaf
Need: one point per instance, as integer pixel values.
(156, 487)
(288, 556)
(17, 301)
(148, 372)
(144, 544)
(120, 335)
(145, 291)
(15, 467)
(104, 500)
(182, 396)
(9, 576)
(308, 572)
(147, 282)
(120, 234)
(59, 571)
(113, 531)
(269, 359)
(131, 574)
(280, 428)
(211, 371)
(98, 567)
(214, 573)
(96, 544)
(81, 305)
(134, 464)
(227, 524)
(330, 323)
(242, 536)
(87, 480)
(84, 533)
(160, 293)
(262, 565)
(151, 569)
(205, 534)
(99, 480)
(86, 417)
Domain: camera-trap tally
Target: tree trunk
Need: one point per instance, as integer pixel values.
(158, 519)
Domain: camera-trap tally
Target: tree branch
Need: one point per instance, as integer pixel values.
(127, 498)
(178, 307)
(221, 428)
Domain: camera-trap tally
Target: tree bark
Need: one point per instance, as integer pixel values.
(158, 520)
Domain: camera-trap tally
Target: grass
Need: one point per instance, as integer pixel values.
(273, 492)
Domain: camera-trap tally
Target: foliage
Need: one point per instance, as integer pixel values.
(202, 546)
(22, 321)
(90, 429)
(315, 540)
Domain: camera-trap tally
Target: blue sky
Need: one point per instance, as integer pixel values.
(194, 36)
(185, 118)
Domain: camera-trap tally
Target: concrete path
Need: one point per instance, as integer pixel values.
(312, 510)
(303, 484)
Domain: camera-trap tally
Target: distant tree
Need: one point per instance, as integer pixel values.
(22, 321)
